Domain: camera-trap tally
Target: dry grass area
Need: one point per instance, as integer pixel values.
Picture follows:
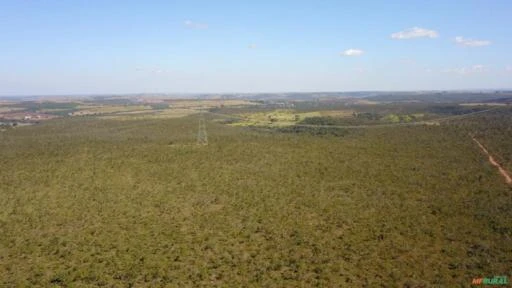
(153, 114)
(7, 109)
(366, 102)
(337, 113)
(108, 109)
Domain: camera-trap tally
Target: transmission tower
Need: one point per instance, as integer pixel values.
(202, 137)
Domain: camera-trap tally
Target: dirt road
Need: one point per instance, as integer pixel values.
(493, 162)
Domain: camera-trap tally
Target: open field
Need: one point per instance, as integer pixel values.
(9, 109)
(154, 114)
(112, 108)
(284, 117)
(88, 201)
(108, 109)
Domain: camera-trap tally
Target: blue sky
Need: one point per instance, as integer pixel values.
(82, 47)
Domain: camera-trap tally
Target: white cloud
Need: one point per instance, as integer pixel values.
(415, 32)
(467, 70)
(352, 52)
(471, 42)
(195, 25)
(252, 46)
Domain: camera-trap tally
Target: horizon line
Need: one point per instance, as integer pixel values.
(249, 93)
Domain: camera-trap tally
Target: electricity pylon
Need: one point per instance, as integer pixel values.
(202, 137)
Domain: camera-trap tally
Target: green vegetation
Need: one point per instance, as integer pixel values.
(56, 108)
(89, 202)
(159, 106)
(454, 109)
(317, 131)
(278, 117)
(494, 130)
(50, 105)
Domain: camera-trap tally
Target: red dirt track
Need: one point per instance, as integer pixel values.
(493, 162)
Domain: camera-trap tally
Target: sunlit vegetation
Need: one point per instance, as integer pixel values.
(89, 202)
(278, 117)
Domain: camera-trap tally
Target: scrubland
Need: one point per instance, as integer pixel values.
(89, 202)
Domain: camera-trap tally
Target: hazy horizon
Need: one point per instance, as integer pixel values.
(172, 94)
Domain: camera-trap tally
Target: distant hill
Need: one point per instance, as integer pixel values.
(446, 97)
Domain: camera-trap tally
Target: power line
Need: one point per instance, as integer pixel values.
(202, 136)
